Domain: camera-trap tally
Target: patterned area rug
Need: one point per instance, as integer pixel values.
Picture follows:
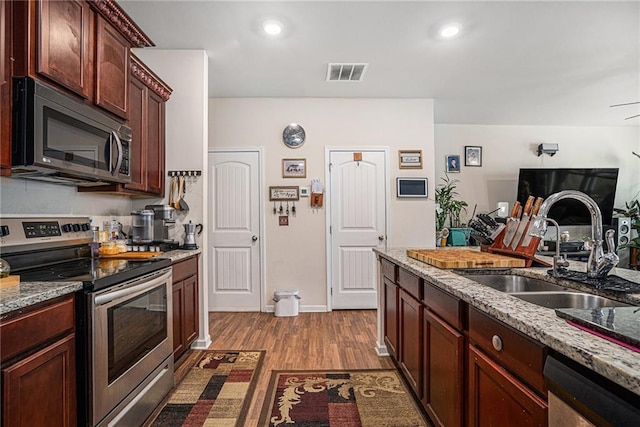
(216, 392)
(339, 398)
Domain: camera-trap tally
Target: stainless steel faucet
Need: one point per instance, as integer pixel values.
(559, 261)
(598, 265)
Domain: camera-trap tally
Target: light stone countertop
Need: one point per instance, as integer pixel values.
(610, 360)
(29, 293)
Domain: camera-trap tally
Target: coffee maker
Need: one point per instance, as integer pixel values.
(163, 223)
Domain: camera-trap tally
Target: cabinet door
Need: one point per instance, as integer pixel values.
(112, 69)
(391, 317)
(411, 340)
(64, 44)
(496, 398)
(41, 388)
(5, 87)
(191, 326)
(155, 144)
(178, 321)
(138, 125)
(443, 371)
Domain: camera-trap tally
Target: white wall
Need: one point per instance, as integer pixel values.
(506, 149)
(185, 71)
(296, 255)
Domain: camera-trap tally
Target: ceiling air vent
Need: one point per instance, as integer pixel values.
(346, 72)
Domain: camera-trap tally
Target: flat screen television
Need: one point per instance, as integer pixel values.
(598, 183)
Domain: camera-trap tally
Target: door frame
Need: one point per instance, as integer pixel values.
(261, 219)
(387, 194)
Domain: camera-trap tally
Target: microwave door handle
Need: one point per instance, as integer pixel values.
(119, 159)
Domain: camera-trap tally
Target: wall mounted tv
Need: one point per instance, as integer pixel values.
(598, 183)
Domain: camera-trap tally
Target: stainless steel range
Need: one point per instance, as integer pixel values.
(124, 316)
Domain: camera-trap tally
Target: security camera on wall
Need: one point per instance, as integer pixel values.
(549, 148)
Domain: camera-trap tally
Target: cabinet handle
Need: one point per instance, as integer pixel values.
(497, 342)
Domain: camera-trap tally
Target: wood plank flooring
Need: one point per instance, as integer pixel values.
(342, 339)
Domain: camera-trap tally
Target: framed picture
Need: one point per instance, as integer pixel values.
(410, 159)
(294, 168)
(472, 155)
(284, 193)
(453, 163)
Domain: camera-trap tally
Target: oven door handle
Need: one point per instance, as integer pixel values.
(146, 284)
(116, 168)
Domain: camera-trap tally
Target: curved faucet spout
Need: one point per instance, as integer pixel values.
(539, 227)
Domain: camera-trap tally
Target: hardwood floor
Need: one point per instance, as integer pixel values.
(342, 339)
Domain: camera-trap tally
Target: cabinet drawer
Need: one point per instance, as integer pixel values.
(183, 269)
(36, 327)
(410, 283)
(444, 305)
(388, 269)
(516, 352)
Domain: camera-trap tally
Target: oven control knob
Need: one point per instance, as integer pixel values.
(76, 227)
(66, 228)
(85, 226)
(4, 230)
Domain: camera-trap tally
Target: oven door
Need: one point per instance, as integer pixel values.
(132, 336)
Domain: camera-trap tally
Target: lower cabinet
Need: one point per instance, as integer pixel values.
(443, 371)
(496, 398)
(39, 366)
(465, 367)
(391, 292)
(410, 352)
(185, 305)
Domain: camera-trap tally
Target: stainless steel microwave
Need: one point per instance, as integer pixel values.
(59, 139)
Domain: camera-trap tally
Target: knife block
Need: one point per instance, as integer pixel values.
(527, 252)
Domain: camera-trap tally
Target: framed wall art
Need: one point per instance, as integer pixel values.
(410, 159)
(294, 168)
(472, 155)
(284, 193)
(453, 163)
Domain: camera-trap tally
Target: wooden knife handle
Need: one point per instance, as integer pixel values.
(536, 206)
(529, 205)
(514, 210)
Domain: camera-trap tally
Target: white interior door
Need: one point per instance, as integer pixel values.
(358, 203)
(235, 238)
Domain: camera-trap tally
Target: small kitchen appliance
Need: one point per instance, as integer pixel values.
(142, 226)
(190, 235)
(163, 222)
(124, 316)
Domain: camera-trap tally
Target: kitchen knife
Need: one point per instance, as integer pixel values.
(534, 216)
(524, 222)
(512, 224)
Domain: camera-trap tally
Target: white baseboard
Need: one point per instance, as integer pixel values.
(201, 344)
(382, 349)
(302, 308)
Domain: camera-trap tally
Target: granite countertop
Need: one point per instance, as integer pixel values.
(29, 293)
(610, 360)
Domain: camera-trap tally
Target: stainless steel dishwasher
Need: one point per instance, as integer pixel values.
(580, 397)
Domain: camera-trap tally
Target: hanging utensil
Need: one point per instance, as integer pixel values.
(183, 204)
(172, 191)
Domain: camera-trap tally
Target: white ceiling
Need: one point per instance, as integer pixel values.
(516, 62)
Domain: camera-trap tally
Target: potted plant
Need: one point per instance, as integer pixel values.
(448, 207)
(632, 211)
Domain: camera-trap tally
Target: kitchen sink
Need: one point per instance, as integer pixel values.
(568, 300)
(512, 283)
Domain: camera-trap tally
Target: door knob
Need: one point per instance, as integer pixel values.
(254, 238)
(381, 237)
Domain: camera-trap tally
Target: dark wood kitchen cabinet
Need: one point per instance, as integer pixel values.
(6, 35)
(79, 46)
(410, 329)
(38, 365)
(147, 97)
(505, 379)
(391, 295)
(443, 375)
(185, 305)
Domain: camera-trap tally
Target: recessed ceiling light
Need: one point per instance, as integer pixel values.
(449, 31)
(271, 27)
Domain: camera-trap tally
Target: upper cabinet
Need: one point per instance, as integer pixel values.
(5, 86)
(81, 46)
